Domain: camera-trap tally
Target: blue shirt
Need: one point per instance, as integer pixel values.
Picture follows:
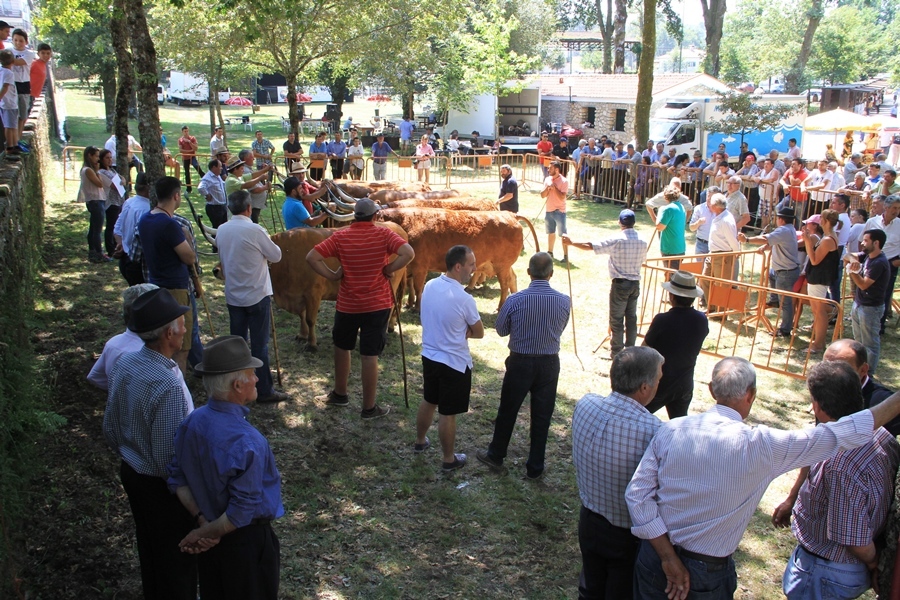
(379, 151)
(339, 149)
(406, 129)
(227, 464)
(294, 213)
(534, 319)
(160, 234)
(315, 148)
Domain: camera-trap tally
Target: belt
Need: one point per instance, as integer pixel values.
(813, 554)
(521, 355)
(715, 560)
(702, 240)
(787, 270)
(623, 280)
(260, 521)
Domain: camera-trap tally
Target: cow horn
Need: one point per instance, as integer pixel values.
(208, 232)
(343, 218)
(344, 195)
(338, 201)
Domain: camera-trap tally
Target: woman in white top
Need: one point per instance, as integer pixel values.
(113, 199)
(424, 152)
(93, 195)
(355, 156)
(767, 180)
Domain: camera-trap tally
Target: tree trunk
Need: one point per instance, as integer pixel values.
(293, 112)
(147, 80)
(118, 29)
(714, 20)
(212, 114)
(108, 84)
(792, 78)
(645, 75)
(619, 36)
(606, 32)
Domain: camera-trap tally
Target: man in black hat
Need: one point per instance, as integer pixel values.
(224, 474)
(678, 336)
(785, 264)
(146, 404)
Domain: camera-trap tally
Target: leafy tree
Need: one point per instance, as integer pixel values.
(843, 50)
(336, 75)
(744, 114)
(795, 75)
(645, 74)
(591, 59)
(609, 21)
(714, 20)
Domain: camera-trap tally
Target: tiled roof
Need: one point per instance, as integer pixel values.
(616, 87)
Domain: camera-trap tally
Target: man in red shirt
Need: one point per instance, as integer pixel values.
(794, 185)
(364, 299)
(187, 145)
(545, 151)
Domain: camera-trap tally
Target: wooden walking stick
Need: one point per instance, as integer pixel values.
(571, 303)
(275, 341)
(199, 287)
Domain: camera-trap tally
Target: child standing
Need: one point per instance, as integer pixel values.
(39, 70)
(23, 57)
(9, 104)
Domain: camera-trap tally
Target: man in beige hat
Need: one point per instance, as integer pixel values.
(678, 336)
(224, 474)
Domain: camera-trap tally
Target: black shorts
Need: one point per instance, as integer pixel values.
(371, 327)
(446, 387)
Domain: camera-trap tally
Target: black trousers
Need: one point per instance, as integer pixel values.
(245, 565)
(337, 168)
(109, 239)
(537, 375)
(676, 397)
(607, 558)
(131, 271)
(217, 213)
(160, 523)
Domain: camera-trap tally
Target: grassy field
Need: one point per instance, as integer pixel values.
(366, 518)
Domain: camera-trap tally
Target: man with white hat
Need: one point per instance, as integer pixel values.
(678, 336)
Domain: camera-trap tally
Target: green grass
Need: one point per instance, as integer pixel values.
(365, 517)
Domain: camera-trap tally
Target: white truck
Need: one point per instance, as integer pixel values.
(191, 89)
(680, 125)
(509, 115)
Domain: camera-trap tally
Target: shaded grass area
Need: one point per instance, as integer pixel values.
(366, 518)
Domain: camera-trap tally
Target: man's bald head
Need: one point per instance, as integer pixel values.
(540, 266)
(851, 352)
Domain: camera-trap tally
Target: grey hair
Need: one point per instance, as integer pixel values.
(243, 154)
(718, 200)
(507, 167)
(734, 179)
(633, 367)
(732, 378)
(133, 293)
(151, 337)
(540, 266)
(893, 198)
(238, 202)
(218, 386)
(833, 165)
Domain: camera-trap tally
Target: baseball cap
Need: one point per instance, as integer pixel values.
(290, 184)
(365, 208)
(626, 217)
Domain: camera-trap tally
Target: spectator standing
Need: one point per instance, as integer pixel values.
(794, 184)
(406, 128)
(132, 210)
(701, 222)
(9, 104)
(292, 150)
(424, 154)
(212, 188)
(259, 191)
(449, 319)
(534, 320)
(824, 260)
(337, 152)
(609, 437)
(318, 154)
(217, 142)
(678, 336)
(380, 151)
(670, 224)
(561, 153)
(262, 150)
(364, 299)
(545, 153)
(627, 252)
(92, 194)
(509, 190)
(870, 271)
(224, 473)
(24, 58)
(187, 146)
(890, 224)
(873, 393)
(722, 239)
(38, 70)
(355, 156)
(555, 189)
(111, 182)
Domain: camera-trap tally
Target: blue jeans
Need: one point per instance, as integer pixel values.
(623, 297)
(866, 323)
(255, 319)
(539, 376)
(784, 281)
(709, 581)
(808, 576)
(835, 290)
(195, 354)
(888, 295)
(701, 246)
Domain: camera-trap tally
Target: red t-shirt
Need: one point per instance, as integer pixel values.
(363, 250)
(794, 179)
(545, 146)
(38, 77)
(185, 144)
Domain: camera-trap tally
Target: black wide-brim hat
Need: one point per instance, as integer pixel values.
(226, 354)
(154, 309)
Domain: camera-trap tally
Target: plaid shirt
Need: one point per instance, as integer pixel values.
(146, 404)
(263, 147)
(627, 253)
(609, 436)
(137, 250)
(845, 499)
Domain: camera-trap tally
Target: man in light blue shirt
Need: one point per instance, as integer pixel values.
(406, 130)
(337, 152)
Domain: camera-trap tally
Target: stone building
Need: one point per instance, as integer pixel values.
(604, 104)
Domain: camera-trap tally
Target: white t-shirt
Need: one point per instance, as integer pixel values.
(23, 73)
(10, 99)
(843, 234)
(447, 312)
(856, 231)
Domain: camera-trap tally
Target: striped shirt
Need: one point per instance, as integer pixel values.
(534, 319)
(703, 475)
(363, 250)
(626, 252)
(213, 189)
(145, 406)
(609, 437)
(845, 500)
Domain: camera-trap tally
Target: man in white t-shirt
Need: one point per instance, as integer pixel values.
(449, 318)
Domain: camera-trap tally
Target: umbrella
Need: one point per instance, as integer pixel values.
(238, 101)
(303, 98)
(379, 98)
(842, 120)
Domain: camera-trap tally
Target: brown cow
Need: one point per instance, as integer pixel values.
(382, 196)
(300, 290)
(361, 189)
(462, 203)
(494, 236)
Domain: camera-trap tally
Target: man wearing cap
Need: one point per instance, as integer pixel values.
(364, 299)
(609, 437)
(187, 146)
(132, 211)
(627, 252)
(213, 189)
(293, 151)
(555, 189)
(509, 190)
(318, 153)
(5, 43)
(217, 142)
(534, 320)
(146, 404)
(224, 474)
(380, 151)
(245, 249)
(785, 265)
(890, 224)
(298, 202)
(678, 336)
(561, 152)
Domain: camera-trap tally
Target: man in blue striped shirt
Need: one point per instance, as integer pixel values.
(534, 320)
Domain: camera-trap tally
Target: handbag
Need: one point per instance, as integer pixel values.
(798, 285)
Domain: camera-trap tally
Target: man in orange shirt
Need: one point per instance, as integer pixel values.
(555, 188)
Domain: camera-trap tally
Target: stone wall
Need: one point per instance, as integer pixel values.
(576, 113)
